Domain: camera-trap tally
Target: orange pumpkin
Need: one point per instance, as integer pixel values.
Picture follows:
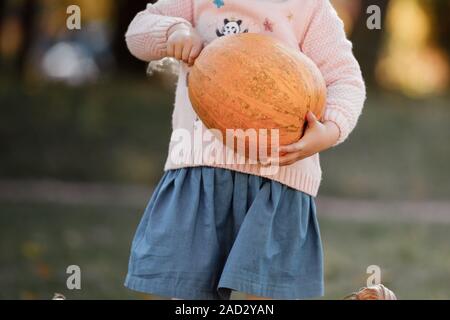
(252, 81)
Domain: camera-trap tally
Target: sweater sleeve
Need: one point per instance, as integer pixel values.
(326, 44)
(146, 37)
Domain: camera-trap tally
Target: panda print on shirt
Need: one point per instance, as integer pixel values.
(230, 27)
(226, 19)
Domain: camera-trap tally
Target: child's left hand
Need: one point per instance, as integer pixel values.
(318, 137)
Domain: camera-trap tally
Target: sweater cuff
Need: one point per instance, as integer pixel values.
(147, 45)
(335, 115)
(165, 23)
(162, 28)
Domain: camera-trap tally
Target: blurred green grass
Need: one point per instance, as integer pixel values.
(399, 150)
(118, 131)
(114, 131)
(39, 241)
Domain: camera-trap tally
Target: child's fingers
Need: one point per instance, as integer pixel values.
(295, 147)
(170, 51)
(186, 52)
(301, 145)
(306, 139)
(311, 119)
(178, 52)
(195, 52)
(294, 156)
(290, 158)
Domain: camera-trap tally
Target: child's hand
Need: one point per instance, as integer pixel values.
(318, 137)
(183, 43)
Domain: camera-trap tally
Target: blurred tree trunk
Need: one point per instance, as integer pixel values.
(28, 15)
(368, 43)
(440, 9)
(126, 11)
(2, 10)
(21, 15)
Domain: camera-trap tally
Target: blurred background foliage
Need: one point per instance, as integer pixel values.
(76, 107)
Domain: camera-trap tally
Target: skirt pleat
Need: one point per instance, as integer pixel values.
(208, 231)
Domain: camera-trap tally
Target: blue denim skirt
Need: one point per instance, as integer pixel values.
(208, 231)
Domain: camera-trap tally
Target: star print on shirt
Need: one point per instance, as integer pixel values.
(268, 25)
(219, 3)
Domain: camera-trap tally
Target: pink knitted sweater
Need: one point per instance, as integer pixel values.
(311, 26)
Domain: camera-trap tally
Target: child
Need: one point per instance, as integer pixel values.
(212, 228)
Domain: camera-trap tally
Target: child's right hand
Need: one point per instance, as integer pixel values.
(183, 43)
